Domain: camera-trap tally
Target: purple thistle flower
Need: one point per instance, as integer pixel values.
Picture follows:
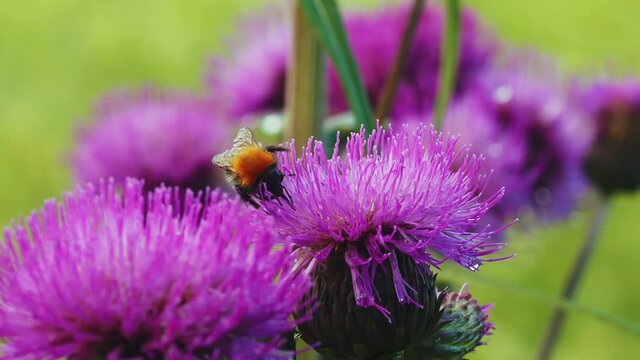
(157, 136)
(99, 275)
(532, 138)
(392, 195)
(419, 79)
(252, 78)
(613, 108)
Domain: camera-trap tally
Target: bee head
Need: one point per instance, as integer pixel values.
(273, 181)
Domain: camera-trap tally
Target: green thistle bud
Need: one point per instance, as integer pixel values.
(462, 326)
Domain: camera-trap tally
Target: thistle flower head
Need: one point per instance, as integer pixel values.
(250, 78)
(393, 194)
(102, 275)
(532, 137)
(157, 136)
(613, 108)
(463, 325)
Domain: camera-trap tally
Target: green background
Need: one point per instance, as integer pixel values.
(57, 57)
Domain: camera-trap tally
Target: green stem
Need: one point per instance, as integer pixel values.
(325, 17)
(449, 61)
(391, 85)
(306, 82)
(577, 272)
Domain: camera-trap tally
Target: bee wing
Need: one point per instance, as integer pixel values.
(245, 138)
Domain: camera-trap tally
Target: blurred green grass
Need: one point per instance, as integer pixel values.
(58, 56)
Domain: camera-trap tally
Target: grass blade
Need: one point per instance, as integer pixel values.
(325, 17)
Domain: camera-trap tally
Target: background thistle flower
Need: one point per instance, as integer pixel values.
(250, 80)
(463, 325)
(612, 163)
(532, 138)
(98, 275)
(161, 137)
(419, 78)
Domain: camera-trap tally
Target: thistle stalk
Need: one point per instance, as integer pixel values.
(449, 61)
(391, 85)
(305, 101)
(575, 276)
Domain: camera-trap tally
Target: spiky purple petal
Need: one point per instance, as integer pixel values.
(104, 275)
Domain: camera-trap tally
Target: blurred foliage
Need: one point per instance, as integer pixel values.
(58, 56)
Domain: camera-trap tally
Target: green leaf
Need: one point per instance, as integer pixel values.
(325, 17)
(449, 60)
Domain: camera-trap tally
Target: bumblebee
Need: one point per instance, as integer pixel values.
(249, 167)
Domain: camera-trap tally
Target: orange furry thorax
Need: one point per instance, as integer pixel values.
(250, 163)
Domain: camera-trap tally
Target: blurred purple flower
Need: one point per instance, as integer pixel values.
(532, 138)
(613, 163)
(419, 79)
(99, 275)
(251, 80)
(157, 136)
(392, 196)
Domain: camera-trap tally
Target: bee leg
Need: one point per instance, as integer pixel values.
(273, 149)
(244, 195)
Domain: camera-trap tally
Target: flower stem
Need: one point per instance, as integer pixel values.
(306, 82)
(391, 85)
(577, 272)
(449, 61)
